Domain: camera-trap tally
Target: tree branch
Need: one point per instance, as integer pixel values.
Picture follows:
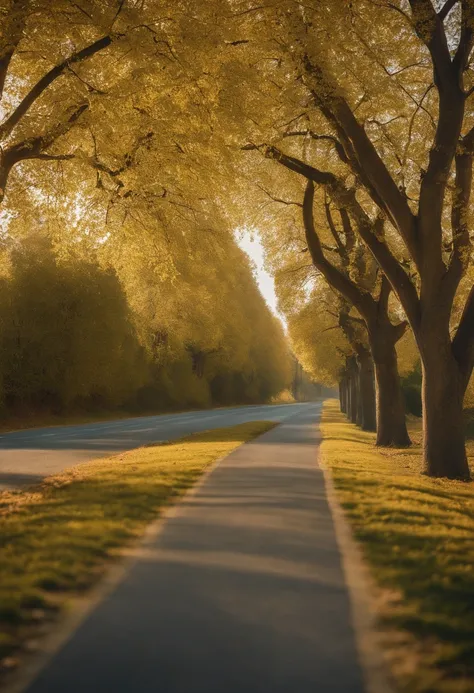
(348, 230)
(332, 226)
(463, 342)
(448, 80)
(446, 9)
(359, 299)
(9, 124)
(13, 27)
(34, 148)
(279, 199)
(384, 295)
(461, 57)
(429, 28)
(330, 138)
(345, 198)
(366, 160)
(461, 242)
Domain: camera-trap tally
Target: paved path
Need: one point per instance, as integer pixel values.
(28, 456)
(241, 592)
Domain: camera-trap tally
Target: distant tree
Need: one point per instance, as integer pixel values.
(66, 335)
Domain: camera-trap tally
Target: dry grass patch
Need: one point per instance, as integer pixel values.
(57, 538)
(417, 534)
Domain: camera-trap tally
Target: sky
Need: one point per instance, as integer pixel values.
(250, 242)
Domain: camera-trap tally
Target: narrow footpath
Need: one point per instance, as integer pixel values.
(241, 591)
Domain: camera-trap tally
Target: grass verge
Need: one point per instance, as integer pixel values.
(417, 535)
(56, 539)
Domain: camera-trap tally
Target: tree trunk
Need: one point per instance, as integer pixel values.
(348, 396)
(443, 422)
(390, 406)
(342, 395)
(367, 392)
(360, 411)
(353, 407)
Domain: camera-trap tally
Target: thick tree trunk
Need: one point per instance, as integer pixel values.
(368, 420)
(391, 423)
(443, 422)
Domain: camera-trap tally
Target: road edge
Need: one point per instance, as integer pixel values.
(360, 585)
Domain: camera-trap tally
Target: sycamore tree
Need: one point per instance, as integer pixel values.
(384, 90)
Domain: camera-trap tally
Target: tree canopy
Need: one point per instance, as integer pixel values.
(144, 137)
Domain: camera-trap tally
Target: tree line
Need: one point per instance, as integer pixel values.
(72, 338)
(342, 131)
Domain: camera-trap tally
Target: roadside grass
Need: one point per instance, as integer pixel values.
(417, 535)
(56, 539)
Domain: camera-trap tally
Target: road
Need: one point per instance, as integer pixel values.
(28, 456)
(241, 590)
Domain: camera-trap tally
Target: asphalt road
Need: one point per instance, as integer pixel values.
(241, 590)
(28, 456)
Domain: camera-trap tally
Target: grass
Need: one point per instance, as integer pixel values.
(57, 538)
(417, 535)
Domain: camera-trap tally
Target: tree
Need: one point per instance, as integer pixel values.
(326, 338)
(30, 130)
(75, 335)
(67, 337)
(342, 259)
(390, 103)
(90, 84)
(382, 334)
(363, 374)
